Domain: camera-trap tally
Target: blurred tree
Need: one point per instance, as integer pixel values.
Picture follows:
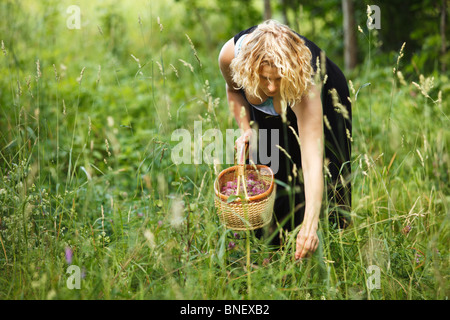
(443, 40)
(350, 45)
(267, 10)
(284, 7)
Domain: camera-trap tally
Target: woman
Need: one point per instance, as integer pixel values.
(281, 81)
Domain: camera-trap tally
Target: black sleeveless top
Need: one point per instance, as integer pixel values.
(337, 142)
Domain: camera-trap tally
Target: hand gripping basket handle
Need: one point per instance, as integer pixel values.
(241, 156)
(241, 169)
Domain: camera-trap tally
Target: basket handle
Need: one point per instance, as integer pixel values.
(241, 169)
(242, 153)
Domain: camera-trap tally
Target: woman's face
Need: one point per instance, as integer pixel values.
(269, 80)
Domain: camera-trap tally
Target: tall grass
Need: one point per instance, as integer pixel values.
(87, 177)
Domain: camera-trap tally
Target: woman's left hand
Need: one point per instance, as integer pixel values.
(307, 242)
(311, 135)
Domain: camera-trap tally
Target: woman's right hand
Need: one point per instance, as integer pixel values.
(242, 140)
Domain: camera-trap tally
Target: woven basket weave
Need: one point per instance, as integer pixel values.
(252, 212)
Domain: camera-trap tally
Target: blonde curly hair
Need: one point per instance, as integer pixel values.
(276, 45)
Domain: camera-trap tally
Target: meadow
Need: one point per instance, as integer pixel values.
(87, 178)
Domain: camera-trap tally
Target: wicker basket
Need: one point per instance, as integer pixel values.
(252, 212)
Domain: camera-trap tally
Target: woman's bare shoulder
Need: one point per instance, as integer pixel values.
(226, 54)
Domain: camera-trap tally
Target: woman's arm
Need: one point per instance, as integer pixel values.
(236, 100)
(310, 129)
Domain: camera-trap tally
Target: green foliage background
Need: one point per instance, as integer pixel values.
(85, 155)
